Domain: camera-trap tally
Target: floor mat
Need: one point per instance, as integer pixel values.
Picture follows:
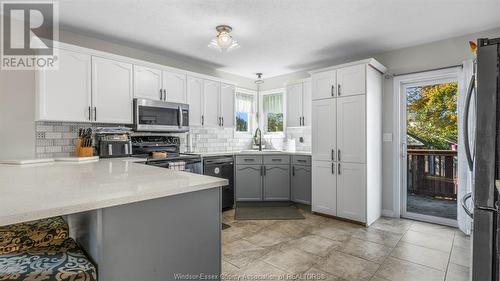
(267, 211)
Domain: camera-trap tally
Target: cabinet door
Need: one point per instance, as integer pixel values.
(277, 183)
(147, 83)
(248, 182)
(65, 94)
(351, 129)
(211, 101)
(306, 103)
(175, 86)
(351, 191)
(324, 85)
(324, 188)
(294, 105)
(195, 100)
(323, 129)
(112, 91)
(227, 105)
(301, 184)
(351, 80)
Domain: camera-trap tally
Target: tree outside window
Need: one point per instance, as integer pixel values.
(244, 111)
(273, 112)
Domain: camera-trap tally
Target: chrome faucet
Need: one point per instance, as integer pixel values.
(260, 138)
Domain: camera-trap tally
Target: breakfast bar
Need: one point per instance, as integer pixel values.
(134, 221)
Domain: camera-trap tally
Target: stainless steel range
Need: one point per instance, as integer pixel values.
(146, 146)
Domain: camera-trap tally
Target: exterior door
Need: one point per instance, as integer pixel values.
(195, 100)
(147, 83)
(324, 191)
(351, 131)
(324, 85)
(227, 105)
(324, 130)
(112, 91)
(351, 191)
(351, 80)
(175, 86)
(65, 94)
(277, 183)
(211, 97)
(306, 103)
(294, 105)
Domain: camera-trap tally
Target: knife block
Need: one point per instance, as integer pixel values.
(86, 152)
(78, 146)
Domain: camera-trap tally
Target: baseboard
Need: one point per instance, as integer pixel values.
(388, 213)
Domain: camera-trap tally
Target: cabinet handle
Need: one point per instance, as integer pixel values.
(339, 169)
(265, 170)
(95, 113)
(261, 170)
(333, 154)
(333, 91)
(338, 155)
(90, 114)
(276, 160)
(333, 168)
(303, 121)
(161, 94)
(338, 91)
(202, 120)
(222, 121)
(249, 160)
(293, 171)
(164, 95)
(301, 160)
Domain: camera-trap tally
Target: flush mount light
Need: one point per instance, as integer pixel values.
(259, 79)
(224, 42)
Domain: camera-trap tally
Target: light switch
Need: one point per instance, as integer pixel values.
(387, 137)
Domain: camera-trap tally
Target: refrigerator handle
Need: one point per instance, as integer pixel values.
(463, 202)
(466, 123)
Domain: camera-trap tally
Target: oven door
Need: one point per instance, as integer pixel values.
(159, 116)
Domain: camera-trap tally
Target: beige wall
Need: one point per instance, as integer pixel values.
(422, 57)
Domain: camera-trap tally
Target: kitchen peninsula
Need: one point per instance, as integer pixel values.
(136, 222)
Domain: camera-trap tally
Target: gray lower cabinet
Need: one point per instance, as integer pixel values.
(301, 184)
(248, 182)
(276, 183)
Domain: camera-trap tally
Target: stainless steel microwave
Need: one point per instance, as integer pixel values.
(160, 116)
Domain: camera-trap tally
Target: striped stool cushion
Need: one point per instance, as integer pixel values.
(24, 236)
(53, 263)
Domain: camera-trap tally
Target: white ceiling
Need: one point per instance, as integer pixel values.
(278, 36)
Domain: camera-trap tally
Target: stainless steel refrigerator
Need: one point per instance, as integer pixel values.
(485, 163)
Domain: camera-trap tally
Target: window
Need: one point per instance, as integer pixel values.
(272, 109)
(244, 111)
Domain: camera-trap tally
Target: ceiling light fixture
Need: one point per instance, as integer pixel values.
(259, 79)
(224, 42)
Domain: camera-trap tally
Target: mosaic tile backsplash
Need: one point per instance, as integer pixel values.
(57, 139)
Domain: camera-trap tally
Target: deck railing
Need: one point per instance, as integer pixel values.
(432, 173)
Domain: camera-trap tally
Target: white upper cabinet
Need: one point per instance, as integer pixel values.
(351, 129)
(351, 191)
(195, 100)
(351, 80)
(174, 85)
(211, 98)
(323, 130)
(324, 84)
(147, 83)
(294, 102)
(112, 91)
(306, 103)
(227, 105)
(324, 192)
(65, 94)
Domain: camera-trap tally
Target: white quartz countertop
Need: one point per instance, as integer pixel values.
(251, 152)
(38, 191)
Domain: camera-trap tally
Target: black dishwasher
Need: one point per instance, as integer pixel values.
(222, 167)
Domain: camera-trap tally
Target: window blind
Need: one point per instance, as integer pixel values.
(244, 103)
(273, 103)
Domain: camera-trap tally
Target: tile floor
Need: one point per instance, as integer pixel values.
(320, 248)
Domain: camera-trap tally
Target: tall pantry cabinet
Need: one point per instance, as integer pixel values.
(347, 141)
